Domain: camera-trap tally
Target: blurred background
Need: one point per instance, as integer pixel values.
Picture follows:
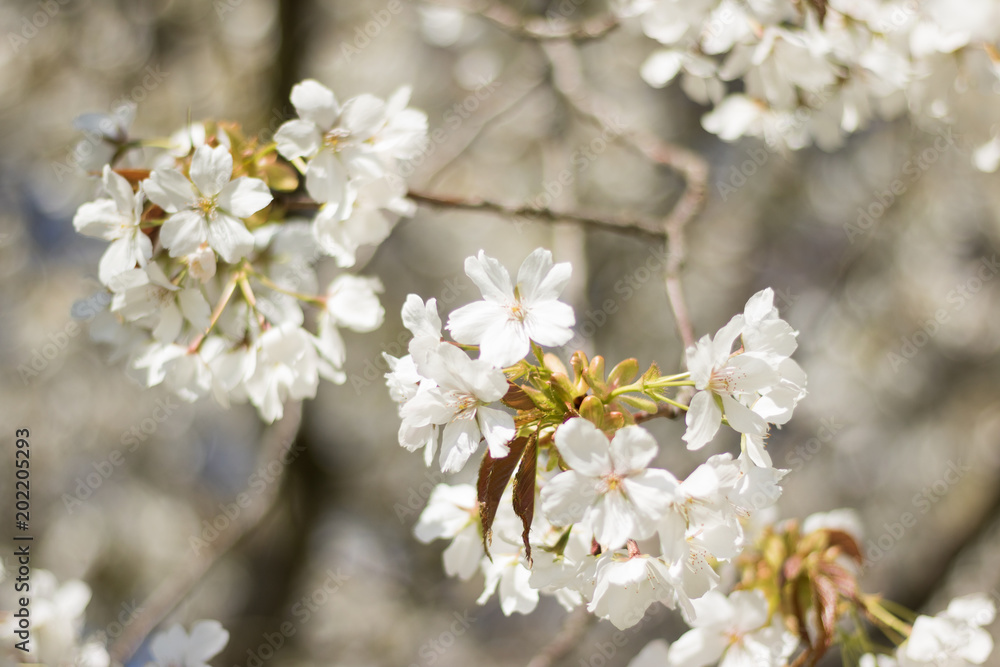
(896, 304)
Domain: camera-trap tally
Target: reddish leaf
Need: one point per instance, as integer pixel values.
(826, 603)
(847, 544)
(524, 491)
(493, 477)
(516, 398)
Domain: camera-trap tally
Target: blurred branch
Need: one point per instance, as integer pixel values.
(639, 227)
(473, 129)
(667, 411)
(534, 27)
(172, 591)
(569, 81)
(569, 637)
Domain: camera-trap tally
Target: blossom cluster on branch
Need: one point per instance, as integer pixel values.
(209, 272)
(568, 502)
(798, 73)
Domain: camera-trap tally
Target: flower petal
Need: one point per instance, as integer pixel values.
(703, 420)
(230, 238)
(244, 196)
(211, 169)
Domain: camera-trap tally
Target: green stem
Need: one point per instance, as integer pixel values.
(227, 294)
(315, 300)
(883, 616)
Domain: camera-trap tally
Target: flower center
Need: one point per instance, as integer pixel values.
(335, 137)
(518, 312)
(207, 206)
(726, 380)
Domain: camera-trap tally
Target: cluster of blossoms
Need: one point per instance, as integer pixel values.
(795, 73)
(57, 633)
(568, 504)
(208, 273)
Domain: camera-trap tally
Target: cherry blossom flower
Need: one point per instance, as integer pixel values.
(510, 316)
(116, 219)
(452, 512)
(208, 207)
(627, 586)
(608, 484)
(174, 647)
(953, 638)
(732, 631)
(462, 389)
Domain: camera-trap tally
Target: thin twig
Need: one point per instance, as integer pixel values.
(667, 411)
(569, 637)
(569, 81)
(639, 227)
(171, 592)
(462, 139)
(535, 27)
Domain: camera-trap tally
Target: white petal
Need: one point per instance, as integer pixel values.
(119, 189)
(490, 277)
(583, 447)
(742, 418)
(458, 442)
(118, 258)
(326, 179)
(504, 345)
(211, 169)
(230, 238)
(550, 323)
(244, 196)
(208, 638)
(469, 324)
(703, 420)
(613, 520)
(632, 449)
(497, 427)
(195, 308)
(316, 103)
(298, 138)
(698, 647)
(169, 189)
(363, 116)
(567, 496)
(183, 232)
(98, 219)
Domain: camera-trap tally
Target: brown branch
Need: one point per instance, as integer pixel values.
(569, 637)
(666, 410)
(639, 227)
(569, 81)
(172, 591)
(535, 27)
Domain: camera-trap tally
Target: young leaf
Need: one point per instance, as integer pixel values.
(592, 410)
(623, 373)
(493, 477)
(516, 398)
(524, 491)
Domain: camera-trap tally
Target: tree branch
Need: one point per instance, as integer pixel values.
(535, 27)
(569, 637)
(171, 592)
(666, 410)
(569, 81)
(638, 227)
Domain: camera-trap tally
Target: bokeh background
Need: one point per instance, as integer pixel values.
(898, 314)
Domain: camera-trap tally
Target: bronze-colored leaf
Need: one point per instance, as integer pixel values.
(847, 544)
(516, 398)
(493, 477)
(524, 492)
(826, 602)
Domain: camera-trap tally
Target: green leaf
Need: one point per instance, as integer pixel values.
(623, 374)
(592, 409)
